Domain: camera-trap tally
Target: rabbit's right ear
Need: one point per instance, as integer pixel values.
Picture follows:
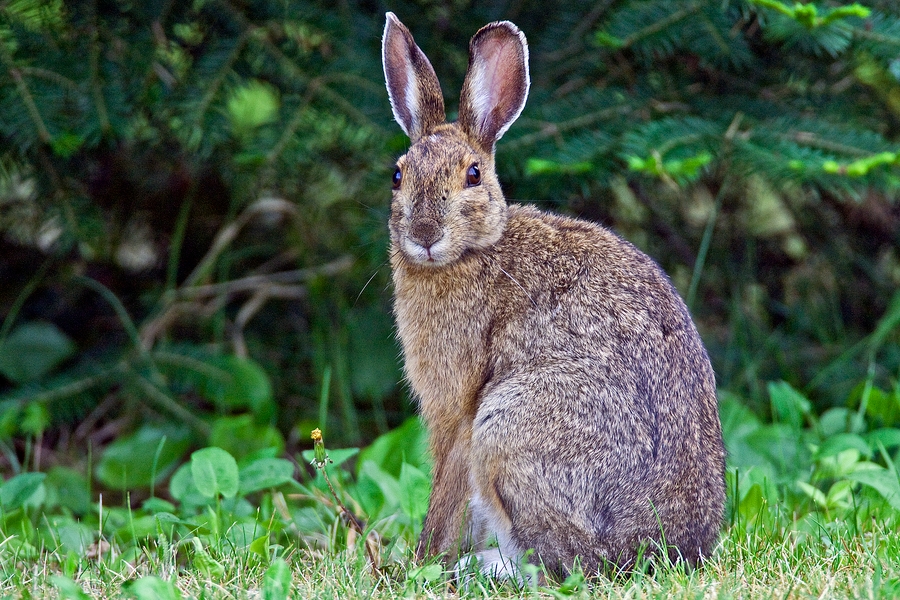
(412, 85)
(496, 83)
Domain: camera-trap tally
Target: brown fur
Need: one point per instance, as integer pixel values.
(568, 396)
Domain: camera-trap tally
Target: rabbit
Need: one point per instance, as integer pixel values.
(570, 402)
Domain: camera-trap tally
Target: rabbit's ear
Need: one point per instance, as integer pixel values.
(496, 83)
(412, 85)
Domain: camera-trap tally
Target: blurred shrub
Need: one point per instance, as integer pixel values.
(194, 195)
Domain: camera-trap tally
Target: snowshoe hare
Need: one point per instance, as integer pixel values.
(570, 401)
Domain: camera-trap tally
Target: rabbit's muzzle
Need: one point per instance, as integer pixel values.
(425, 232)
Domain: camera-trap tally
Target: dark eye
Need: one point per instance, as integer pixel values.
(473, 175)
(397, 178)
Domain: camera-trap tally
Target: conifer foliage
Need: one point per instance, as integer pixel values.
(752, 146)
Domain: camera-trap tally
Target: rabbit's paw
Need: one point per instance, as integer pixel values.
(491, 563)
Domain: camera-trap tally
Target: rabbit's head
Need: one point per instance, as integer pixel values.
(447, 200)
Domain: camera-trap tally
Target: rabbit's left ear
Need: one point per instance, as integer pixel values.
(496, 83)
(412, 84)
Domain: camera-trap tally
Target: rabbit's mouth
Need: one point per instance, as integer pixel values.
(433, 254)
(427, 242)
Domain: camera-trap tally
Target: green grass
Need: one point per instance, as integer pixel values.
(841, 561)
(813, 512)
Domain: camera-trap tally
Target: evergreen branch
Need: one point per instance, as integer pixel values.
(808, 14)
(715, 34)
(296, 74)
(53, 76)
(313, 88)
(874, 36)
(219, 79)
(292, 125)
(25, 94)
(550, 130)
(621, 44)
(575, 44)
(812, 140)
(861, 167)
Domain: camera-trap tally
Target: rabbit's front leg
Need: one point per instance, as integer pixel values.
(450, 493)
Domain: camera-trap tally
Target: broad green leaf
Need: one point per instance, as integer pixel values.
(157, 505)
(368, 493)
(32, 350)
(68, 488)
(75, 538)
(260, 546)
(241, 535)
(10, 416)
(277, 581)
(780, 445)
(408, 443)
(428, 573)
(840, 494)
(35, 418)
(205, 563)
(814, 493)
(241, 436)
(389, 487)
(789, 405)
(737, 419)
(883, 406)
(415, 488)
(265, 473)
(568, 588)
(68, 589)
(843, 441)
(883, 481)
(139, 528)
(128, 462)
(183, 489)
(888, 437)
(239, 383)
(17, 490)
(840, 419)
(215, 472)
(152, 587)
(753, 505)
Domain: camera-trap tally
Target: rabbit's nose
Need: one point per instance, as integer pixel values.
(425, 231)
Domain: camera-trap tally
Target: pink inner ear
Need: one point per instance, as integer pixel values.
(397, 71)
(501, 83)
(496, 83)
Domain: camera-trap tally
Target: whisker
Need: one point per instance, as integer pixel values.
(359, 295)
(511, 278)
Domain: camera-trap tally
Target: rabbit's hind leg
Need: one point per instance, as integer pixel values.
(502, 561)
(539, 472)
